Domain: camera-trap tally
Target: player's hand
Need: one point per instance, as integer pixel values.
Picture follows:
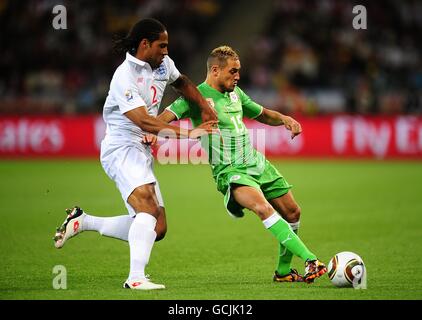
(149, 139)
(206, 128)
(292, 125)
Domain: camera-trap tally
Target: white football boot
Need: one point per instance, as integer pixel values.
(70, 227)
(142, 284)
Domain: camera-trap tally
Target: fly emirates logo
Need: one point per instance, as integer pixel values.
(362, 136)
(37, 136)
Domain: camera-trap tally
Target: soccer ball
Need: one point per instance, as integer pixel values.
(346, 269)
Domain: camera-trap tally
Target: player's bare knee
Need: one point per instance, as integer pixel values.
(143, 194)
(143, 200)
(263, 210)
(293, 214)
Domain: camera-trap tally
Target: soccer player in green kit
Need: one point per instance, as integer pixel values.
(242, 174)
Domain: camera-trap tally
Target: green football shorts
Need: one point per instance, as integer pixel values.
(270, 182)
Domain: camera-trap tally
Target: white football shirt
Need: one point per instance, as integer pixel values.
(135, 84)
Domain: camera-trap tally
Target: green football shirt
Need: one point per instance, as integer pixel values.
(233, 147)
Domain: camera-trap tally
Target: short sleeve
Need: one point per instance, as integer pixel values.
(251, 109)
(125, 91)
(180, 108)
(174, 74)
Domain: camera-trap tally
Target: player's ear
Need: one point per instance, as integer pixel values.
(144, 43)
(214, 70)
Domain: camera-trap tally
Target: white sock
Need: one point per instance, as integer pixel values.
(141, 240)
(116, 227)
(295, 226)
(271, 220)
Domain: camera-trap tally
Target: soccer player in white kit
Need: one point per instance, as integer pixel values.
(130, 111)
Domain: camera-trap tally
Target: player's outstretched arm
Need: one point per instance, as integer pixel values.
(167, 116)
(274, 118)
(148, 123)
(187, 89)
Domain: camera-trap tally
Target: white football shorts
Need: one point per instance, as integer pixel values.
(129, 165)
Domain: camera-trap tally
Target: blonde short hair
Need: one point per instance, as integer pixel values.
(219, 56)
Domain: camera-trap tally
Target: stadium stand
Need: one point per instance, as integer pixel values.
(310, 60)
(307, 60)
(43, 70)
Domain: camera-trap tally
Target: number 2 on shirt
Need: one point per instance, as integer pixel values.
(154, 95)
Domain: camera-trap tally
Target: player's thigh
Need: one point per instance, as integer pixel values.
(131, 168)
(252, 199)
(287, 206)
(272, 183)
(144, 199)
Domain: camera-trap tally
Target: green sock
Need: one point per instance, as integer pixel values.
(285, 255)
(284, 260)
(286, 237)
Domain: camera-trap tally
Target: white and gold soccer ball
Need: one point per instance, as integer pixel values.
(346, 269)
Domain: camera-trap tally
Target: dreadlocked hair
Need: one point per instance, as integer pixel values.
(148, 28)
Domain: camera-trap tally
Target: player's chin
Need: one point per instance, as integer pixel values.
(231, 88)
(156, 65)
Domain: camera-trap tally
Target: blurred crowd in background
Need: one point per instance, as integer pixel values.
(308, 59)
(311, 60)
(43, 70)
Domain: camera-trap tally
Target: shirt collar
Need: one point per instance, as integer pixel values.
(131, 58)
(225, 94)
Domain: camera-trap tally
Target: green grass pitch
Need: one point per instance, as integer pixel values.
(373, 208)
